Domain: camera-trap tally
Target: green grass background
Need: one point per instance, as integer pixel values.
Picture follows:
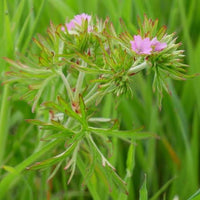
(175, 156)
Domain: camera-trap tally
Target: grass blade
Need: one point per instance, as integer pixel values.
(143, 190)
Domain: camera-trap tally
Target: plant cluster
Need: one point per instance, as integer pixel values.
(78, 64)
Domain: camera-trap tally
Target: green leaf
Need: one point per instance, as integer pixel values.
(68, 110)
(195, 196)
(117, 180)
(59, 126)
(11, 177)
(143, 190)
(99, 119)
(10, 169)
(54, 171)
(51, 161)
(83, 68)
(82, 107)
(23, 30)
(61, 135)
(44, 126)
(123, 134)
(55, 126)
(91, 167)
(33, 26)
(87, 60)
(91, 184)
(73, 166)
(17, 16)
(162, 189)
(130, 162)
(53, 105)
(36, 122)
(17, 65)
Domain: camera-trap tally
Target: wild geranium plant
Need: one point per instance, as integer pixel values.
(78, 64)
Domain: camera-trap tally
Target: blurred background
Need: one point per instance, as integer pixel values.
(170, 163)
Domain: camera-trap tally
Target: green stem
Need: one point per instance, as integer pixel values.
(138, 68)
(92, 98)
(67, 85)
(39, 93)
(82, 167)
(4, 115)
(92, 91)
(79, 85)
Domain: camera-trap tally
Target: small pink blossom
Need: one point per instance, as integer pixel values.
(141, 46)
(156, 45)
(69, 26)
(78, 20)
(62, 28)
(146, 46)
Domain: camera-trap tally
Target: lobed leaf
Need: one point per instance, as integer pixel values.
(54, 160)
(68, 110)
(132, 134)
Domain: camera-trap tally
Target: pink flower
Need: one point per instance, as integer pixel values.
(157, 46)
(78, 20)
(141, 46)
(69, 26)
(146, 46)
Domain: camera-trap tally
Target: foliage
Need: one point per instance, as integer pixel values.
(72, 86)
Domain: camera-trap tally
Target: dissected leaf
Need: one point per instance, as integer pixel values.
(68, 110)
(123, 134)
(54, 160)
(82, 108)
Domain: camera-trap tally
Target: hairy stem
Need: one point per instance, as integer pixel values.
(92, 91)
(79, 85)
(39, 93)
(67, 85)
(138, 68)
(92, 98)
